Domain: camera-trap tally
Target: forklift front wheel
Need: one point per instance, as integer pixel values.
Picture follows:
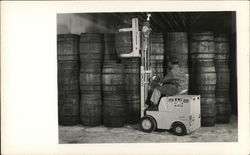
(179, 129)
(147, 124)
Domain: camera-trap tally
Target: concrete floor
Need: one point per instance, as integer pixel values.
(132, 134)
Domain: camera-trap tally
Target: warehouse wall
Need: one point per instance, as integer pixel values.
(218, 22)
(80, 23)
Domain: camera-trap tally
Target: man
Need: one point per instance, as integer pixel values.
(171, 84)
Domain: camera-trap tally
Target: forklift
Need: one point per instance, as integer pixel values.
(179, 113)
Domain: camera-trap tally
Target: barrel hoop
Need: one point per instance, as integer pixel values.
(81, 72)
(121, 84)
(202, 40)
(194, 53)
(206, 72)
(89, 85)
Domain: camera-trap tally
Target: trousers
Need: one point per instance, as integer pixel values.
(165, 90)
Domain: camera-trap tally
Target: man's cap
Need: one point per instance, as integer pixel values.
(174, 60)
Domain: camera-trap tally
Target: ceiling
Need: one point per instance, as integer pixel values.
(178, 21)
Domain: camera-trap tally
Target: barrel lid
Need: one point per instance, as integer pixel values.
(68, 35)
(221, 38)
(202, 36)
(176, 36)
(112, 64)
(91, 37)
(91, 34)
(174, 60)
(157, 37)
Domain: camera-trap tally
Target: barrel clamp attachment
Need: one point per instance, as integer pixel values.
(136, 39)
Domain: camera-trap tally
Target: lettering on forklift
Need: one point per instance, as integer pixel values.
(178, 104)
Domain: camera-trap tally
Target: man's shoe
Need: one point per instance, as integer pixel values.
(152, 106)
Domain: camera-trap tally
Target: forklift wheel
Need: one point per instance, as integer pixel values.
(147, 124)
(179, 129)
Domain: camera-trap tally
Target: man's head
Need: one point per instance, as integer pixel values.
(173, 60)
(156, 78)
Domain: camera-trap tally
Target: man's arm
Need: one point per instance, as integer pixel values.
(183, 92)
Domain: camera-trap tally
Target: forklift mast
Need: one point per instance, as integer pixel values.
(146, 70)
(141, 48)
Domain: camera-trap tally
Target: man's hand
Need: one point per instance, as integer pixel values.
(174, 81)
(183, 92)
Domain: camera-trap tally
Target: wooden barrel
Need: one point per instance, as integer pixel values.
(91, 109)
(68, 72)
(202, 58)
(91, 49)
(221, 48)
(91, 59)
(208, 110)
(203, 75)
(157, 54)
(223, 107)
(123, 43)
(90, 79)
(132, 88)
(67, 47)
(223, 104)
(68, 108)
(113, 78)
(204, 84)
(177, 47)
(109, 44)
(202, 46)
(113, 95)
(223, 76)
(114, 110)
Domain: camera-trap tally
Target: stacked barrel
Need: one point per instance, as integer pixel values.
(223, 108)
(132, 88)
(131, 66)
(123, 43)
(68, 69)
(91, 58)
(109, 45)
(203, 75)
(177, 48)
(110, 91)
(157, 54)
(114, 109)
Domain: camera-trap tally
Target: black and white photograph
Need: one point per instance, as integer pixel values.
(140, 77)
(125, 77)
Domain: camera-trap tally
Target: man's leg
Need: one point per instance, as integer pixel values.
(156, 95)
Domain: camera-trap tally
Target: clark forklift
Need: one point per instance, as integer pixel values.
(180, 113)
